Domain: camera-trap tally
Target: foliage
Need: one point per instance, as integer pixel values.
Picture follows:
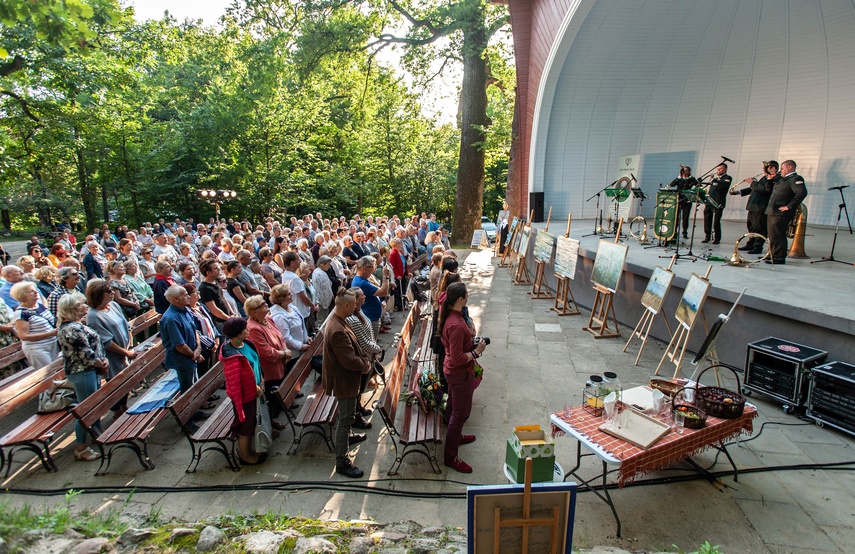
(705, 548)
(114, 120)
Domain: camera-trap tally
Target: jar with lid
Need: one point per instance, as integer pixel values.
(611, 383)
(593, 395)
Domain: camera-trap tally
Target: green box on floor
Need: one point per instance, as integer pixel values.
(542, 469)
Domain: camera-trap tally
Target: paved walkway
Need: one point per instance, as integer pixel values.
(537, 363)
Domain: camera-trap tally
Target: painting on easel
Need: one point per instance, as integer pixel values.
(511, 230)
(608, 265)
(543, 243)
(518, 237)
(692, 300)
(656, 289)
(566, 255)
(526, 236)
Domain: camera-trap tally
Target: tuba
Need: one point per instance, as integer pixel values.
(642, 238)
(796, 231)
(736, 259)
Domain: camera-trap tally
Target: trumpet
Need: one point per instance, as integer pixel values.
(733, 187)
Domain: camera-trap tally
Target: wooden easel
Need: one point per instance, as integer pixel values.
(522, 275)
(526, 521)
(677, 347)
(540, 290)
(563, 294)
(642, 329)
(603, 308)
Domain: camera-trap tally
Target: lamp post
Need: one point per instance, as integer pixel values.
(215, 197)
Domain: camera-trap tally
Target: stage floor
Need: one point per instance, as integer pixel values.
(821, 294)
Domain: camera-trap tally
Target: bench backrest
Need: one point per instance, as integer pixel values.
(388, 401)
(187, 404)
(11, 354)
(92, 408)
(144, 321)
(420, 260)
(28, 384)
(290, 386)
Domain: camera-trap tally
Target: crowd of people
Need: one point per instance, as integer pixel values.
(252, 297)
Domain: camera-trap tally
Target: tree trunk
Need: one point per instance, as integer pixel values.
(85, 189)
(104, 203)
(6, 216)
(473, 100)
(512, 192)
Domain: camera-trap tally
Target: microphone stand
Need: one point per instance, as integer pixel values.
(597, 212)
(841, 209)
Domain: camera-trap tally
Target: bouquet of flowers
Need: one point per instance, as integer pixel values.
(479, 374)
(430, 390)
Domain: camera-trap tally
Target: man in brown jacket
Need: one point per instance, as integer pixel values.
(344, 363)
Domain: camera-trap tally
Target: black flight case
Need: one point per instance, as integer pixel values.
(779, 368)
(831, 396)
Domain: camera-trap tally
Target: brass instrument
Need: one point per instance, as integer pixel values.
(642, 238)
(733, 187)
(736, 259)
(796, 231)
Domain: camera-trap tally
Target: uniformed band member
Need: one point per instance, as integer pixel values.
(758, 193)
(787, 195)
(719, 188)
(683, 182)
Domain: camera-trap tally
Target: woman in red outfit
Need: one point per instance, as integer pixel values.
(398, 261)
(271, 350)
(459, 369)
(242, 370)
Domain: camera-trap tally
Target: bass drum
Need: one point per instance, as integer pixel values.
(665, 216)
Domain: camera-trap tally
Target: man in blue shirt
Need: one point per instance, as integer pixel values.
(373, 307)
(180, 337)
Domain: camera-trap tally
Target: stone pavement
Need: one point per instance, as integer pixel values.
(537, 363)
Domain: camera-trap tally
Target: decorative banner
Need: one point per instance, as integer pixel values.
(692, 300)
(526, 236)
(543, 243)
(656, 289)
(608, 266)
(627, 166)
(566, 256)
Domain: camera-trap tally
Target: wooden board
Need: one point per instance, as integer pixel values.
(636, 428)
(566, 256)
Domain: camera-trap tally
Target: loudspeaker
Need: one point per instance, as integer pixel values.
(535, 202)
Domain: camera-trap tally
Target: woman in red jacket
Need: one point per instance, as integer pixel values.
(459, 369)
(272, 352)
(242, 370)
(398, 261)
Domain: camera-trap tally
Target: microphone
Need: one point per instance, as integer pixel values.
(725, 158)
(633, 177)
(839, 188)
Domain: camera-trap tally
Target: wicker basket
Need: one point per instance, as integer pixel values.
(718, 401)
(667, 387)
(683, 405)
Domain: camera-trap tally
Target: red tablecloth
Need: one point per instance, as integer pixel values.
(669, 450)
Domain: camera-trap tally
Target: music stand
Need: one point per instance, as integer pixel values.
(597, 212)
(617, 194)
(840, 210)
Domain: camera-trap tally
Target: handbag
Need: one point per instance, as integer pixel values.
(263, 437)
(59, 396)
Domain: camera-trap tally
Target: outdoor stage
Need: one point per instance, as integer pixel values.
(810, 304)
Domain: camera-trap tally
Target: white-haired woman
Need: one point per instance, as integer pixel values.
(35, 325)
(84, 360)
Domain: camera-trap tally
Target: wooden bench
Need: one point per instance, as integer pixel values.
(143, 322)
(215, 433)
(10, 355)
(319, 411)
(36, 433)
(289, 389)
(129, 430)
(418, 428)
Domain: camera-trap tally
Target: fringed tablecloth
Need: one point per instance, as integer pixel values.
(670, 449)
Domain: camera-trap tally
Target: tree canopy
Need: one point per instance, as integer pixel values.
(107, 119)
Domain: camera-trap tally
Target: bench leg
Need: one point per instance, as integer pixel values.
(222, 448)
(47, 461)
(314, 429)
(142, 456)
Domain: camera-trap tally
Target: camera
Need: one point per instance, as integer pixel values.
(485, 339)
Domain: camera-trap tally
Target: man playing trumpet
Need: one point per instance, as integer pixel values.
(758, 193)
(718, 194)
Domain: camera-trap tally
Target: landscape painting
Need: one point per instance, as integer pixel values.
(692, 300)
(511, 230)
(566, 255)
(543, 243)
(656, 289)
(608, 265)
(526, 236)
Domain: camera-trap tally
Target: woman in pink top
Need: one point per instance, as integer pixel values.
(272, 352)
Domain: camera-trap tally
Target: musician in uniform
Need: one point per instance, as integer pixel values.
(684, 208)
(719, 187)
(758, 193)
(787, 195)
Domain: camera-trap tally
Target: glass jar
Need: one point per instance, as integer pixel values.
(611, 383)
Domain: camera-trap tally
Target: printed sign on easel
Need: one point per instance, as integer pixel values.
(479, 239)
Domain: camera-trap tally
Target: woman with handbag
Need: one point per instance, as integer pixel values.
(459, 368)
(242, 370)
(85, 362)
(272, 352)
